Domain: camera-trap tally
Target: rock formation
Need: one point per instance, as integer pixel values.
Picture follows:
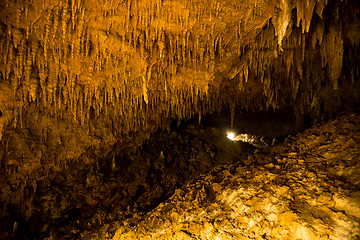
(85, 83)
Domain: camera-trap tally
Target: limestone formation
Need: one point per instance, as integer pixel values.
(86, 85)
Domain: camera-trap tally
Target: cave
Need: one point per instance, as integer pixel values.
(179, 119)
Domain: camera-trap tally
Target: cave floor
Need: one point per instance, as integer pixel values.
(193, 183)
(307, 187)
(80, 197)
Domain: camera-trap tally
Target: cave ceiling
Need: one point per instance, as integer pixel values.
(137, 64)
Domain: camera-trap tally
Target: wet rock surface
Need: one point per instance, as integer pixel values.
(305, 188)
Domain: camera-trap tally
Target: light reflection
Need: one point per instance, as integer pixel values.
(231, 136)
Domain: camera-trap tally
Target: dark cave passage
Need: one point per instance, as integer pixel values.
(81, 197)
(130, 184)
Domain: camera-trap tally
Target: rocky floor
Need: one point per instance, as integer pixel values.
(308, 187)
(193, 183)
(63, 204)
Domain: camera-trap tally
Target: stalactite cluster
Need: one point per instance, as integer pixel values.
(138, 62)
(81, 79)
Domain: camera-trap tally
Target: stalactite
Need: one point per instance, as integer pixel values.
(55, 23)
(232, 112)
(18, 15)
(73, 13)
(183, 41)
(289, 62)
(267, 84)
(47, 33)
(282, 21)
(28, 65)
(335, 56)
(320, 29)
(308, 15)
(320, 5)
(298, 63)
(64, 18)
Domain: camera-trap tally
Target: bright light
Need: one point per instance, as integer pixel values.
(231, 136)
